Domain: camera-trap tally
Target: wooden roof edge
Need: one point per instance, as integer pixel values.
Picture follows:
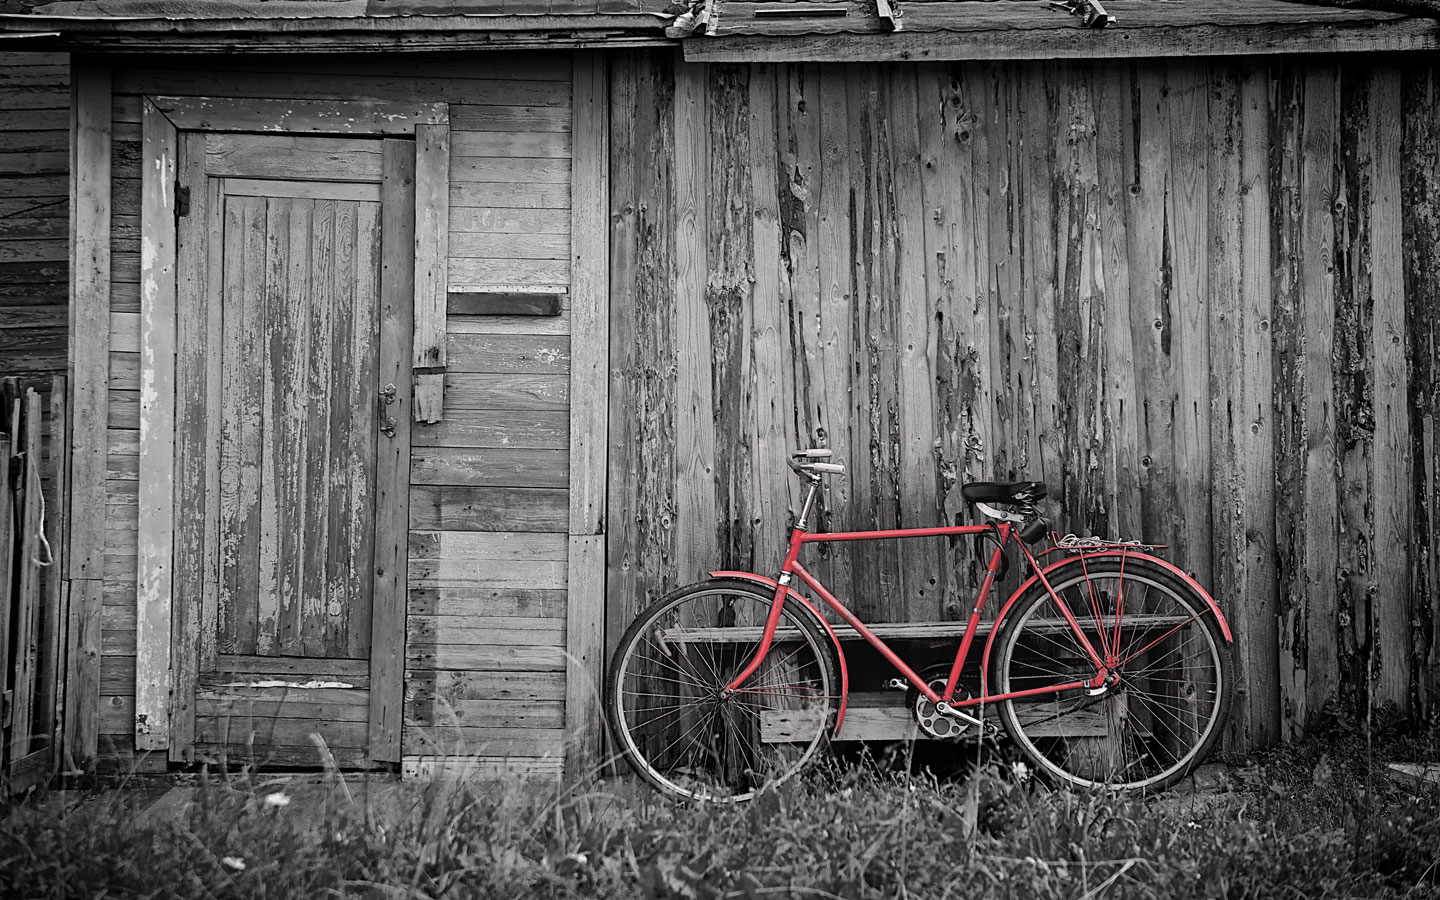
(335, 34)
(1392, 35)
(10, 22)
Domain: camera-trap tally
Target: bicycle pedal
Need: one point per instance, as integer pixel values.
(897, 684)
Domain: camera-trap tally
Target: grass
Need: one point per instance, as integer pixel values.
(1304, 822)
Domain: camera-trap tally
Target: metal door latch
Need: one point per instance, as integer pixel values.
(387, 422)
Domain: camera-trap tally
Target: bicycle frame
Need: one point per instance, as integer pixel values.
(1104, 660)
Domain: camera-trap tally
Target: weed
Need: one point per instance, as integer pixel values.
(845, 830)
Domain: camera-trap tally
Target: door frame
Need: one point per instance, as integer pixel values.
(165, 680)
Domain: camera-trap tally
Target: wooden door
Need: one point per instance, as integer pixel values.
(287, 376)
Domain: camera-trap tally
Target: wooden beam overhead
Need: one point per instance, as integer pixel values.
(741, 32)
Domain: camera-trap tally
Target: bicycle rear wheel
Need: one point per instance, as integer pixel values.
(663, 693)
(1172, 676)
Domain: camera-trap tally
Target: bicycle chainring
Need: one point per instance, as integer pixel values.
(930, 720)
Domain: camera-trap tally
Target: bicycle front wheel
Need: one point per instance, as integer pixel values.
(1171, 676)
(664, 689)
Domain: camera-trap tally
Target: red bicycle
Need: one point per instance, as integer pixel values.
(1108, 667)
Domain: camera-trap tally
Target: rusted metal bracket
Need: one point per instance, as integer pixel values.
(1091, 13)
(890, 12)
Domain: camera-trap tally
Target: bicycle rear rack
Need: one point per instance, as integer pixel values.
(1071, 543)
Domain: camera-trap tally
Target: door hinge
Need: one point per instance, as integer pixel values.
(182, 200)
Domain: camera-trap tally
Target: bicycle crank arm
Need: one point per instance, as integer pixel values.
(945, 709)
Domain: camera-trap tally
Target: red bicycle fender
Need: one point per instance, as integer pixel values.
(772, 584)
(1074, 560)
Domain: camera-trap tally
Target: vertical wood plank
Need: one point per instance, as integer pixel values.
(392, 473)
(1152, 313)
(314, 465)
(291, 347)
(432, 260)
(26, 611)
(8, 527)
(1115, 169)
(49, 698)
(1188, 253)
(1319, 506)
(695, 513)
(954, 141)
(877, 418)
(361, 272)
(833, 325)
(1258, 621)
(589, 401)
(1033, 121)
(1242, 431)
(641, 524)
(798, 93)
(1392, 591)
(729, 236)
(921, 562)
(1080, 312)
(584, 651)
(89, 362)
(1420, 216)
(1351, 367)
(1284, 189)
(89, 315)
(157, 430)
(82, 674)
(771, 354)
(623, 496)
(195, 340)
(237, 614)
(589, 297)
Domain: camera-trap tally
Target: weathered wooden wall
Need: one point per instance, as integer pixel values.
(34, 239)
(489, 484)
(34, 210)
(1197, 298)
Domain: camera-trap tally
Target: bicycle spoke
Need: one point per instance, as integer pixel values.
(1163, 710)
(667, 680)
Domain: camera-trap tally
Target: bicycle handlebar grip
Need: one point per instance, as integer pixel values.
(827, 468)
(812, 453)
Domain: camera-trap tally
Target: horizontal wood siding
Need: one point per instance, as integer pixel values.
(34, 211)
(1186, 295)
(510, 192)
(490, 478)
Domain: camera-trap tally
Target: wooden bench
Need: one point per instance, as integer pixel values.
(900, 631)
(883, 716)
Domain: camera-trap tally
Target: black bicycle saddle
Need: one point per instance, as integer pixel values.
(1022, 492)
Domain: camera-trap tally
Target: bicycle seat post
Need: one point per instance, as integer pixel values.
(809, 504)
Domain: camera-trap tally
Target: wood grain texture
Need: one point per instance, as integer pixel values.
(89, 315)
(1420, 217)
(640, 517)
(88, 379)
(305, 116)
(34, 239)
(432, 278)
(158, 350)
(590, 316)
(392, 469)
(1162, 288)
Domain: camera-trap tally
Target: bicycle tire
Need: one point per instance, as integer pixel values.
(664, 680)
(1167, 708)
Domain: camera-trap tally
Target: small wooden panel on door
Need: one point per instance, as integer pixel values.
(279, 395)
